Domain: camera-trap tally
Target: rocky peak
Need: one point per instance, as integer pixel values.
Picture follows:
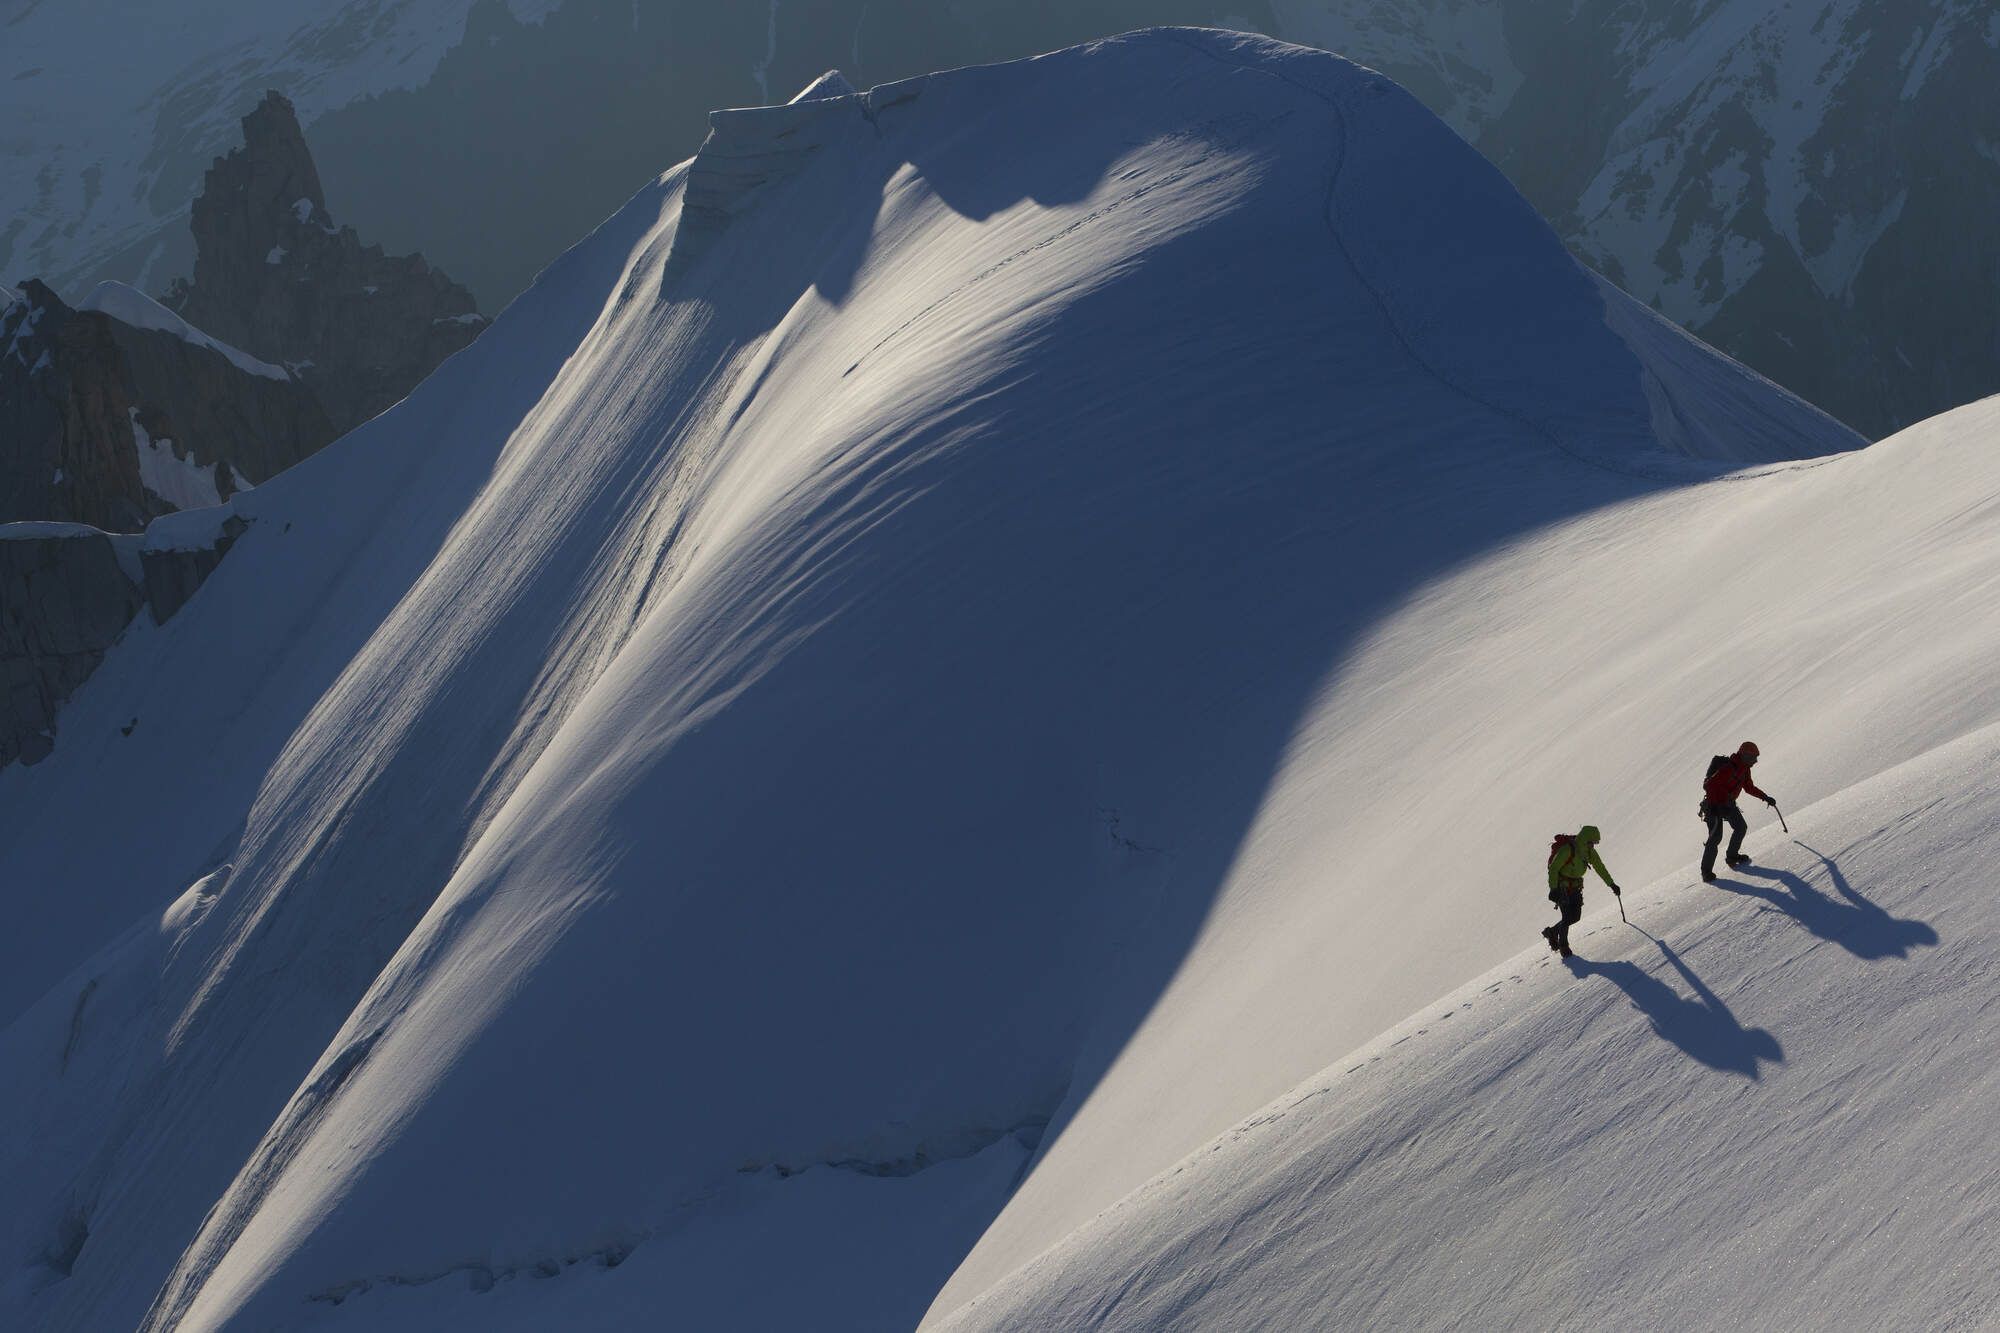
(276, 277)
(25, 320)
(257, 194)
(119, 411)
(113, 421)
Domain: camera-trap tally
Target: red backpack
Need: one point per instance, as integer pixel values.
(1556, 847)
(1725, 766)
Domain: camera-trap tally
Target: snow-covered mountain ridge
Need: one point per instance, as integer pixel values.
(1805, 185)
(851, 748)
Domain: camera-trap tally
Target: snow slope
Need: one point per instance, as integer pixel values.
(1765, 1104)
(971, 636)
(1844, 614)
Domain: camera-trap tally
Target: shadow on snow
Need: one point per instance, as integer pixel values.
(1852, 920)
(1702, 1026)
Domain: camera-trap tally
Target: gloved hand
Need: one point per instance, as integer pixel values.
(1771, 801)
(1617, 891)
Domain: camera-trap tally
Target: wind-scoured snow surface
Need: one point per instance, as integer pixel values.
(968, 639)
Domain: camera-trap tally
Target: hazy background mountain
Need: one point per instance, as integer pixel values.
(1804, 184)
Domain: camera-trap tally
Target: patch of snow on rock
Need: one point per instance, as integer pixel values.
(181, 482)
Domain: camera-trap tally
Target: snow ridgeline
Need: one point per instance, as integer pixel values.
(185, 531)
(141, 311)
(1764, 1103)
(853, 746)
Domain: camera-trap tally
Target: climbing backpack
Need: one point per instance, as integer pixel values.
(1561, 843)
(1722, 766)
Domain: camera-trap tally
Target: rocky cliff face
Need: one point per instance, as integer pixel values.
(121, 411)
(65, 597)
(68, 591)
(110, 423)
(274, 276)
(1808, 187)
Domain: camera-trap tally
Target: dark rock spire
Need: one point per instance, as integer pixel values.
(274, 276)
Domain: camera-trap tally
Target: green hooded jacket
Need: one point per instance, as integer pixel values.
(1580, 856)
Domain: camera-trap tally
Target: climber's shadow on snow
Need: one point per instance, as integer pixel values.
(1851, 920)
(1702, 1026)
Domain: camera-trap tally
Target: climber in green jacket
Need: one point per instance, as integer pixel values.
(1570, 856)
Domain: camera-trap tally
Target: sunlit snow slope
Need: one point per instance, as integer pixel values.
(969, 638)
(1769, 1103)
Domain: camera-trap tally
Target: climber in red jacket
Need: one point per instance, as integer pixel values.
(1728, 778)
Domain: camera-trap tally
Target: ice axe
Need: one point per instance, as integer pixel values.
(1781, 817)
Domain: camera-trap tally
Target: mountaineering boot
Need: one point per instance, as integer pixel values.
(1739, 860)
(1562, 947)
(1549, 934)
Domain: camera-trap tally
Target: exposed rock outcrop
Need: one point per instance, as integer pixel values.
(274, 276)
(65, 597)
(122, 411)
(110, 423)
(177, 557)
(68, 591)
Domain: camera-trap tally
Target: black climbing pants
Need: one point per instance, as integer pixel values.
(1568, 898)
(1718, 813)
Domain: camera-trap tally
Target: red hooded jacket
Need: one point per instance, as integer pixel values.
(1730, 779)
